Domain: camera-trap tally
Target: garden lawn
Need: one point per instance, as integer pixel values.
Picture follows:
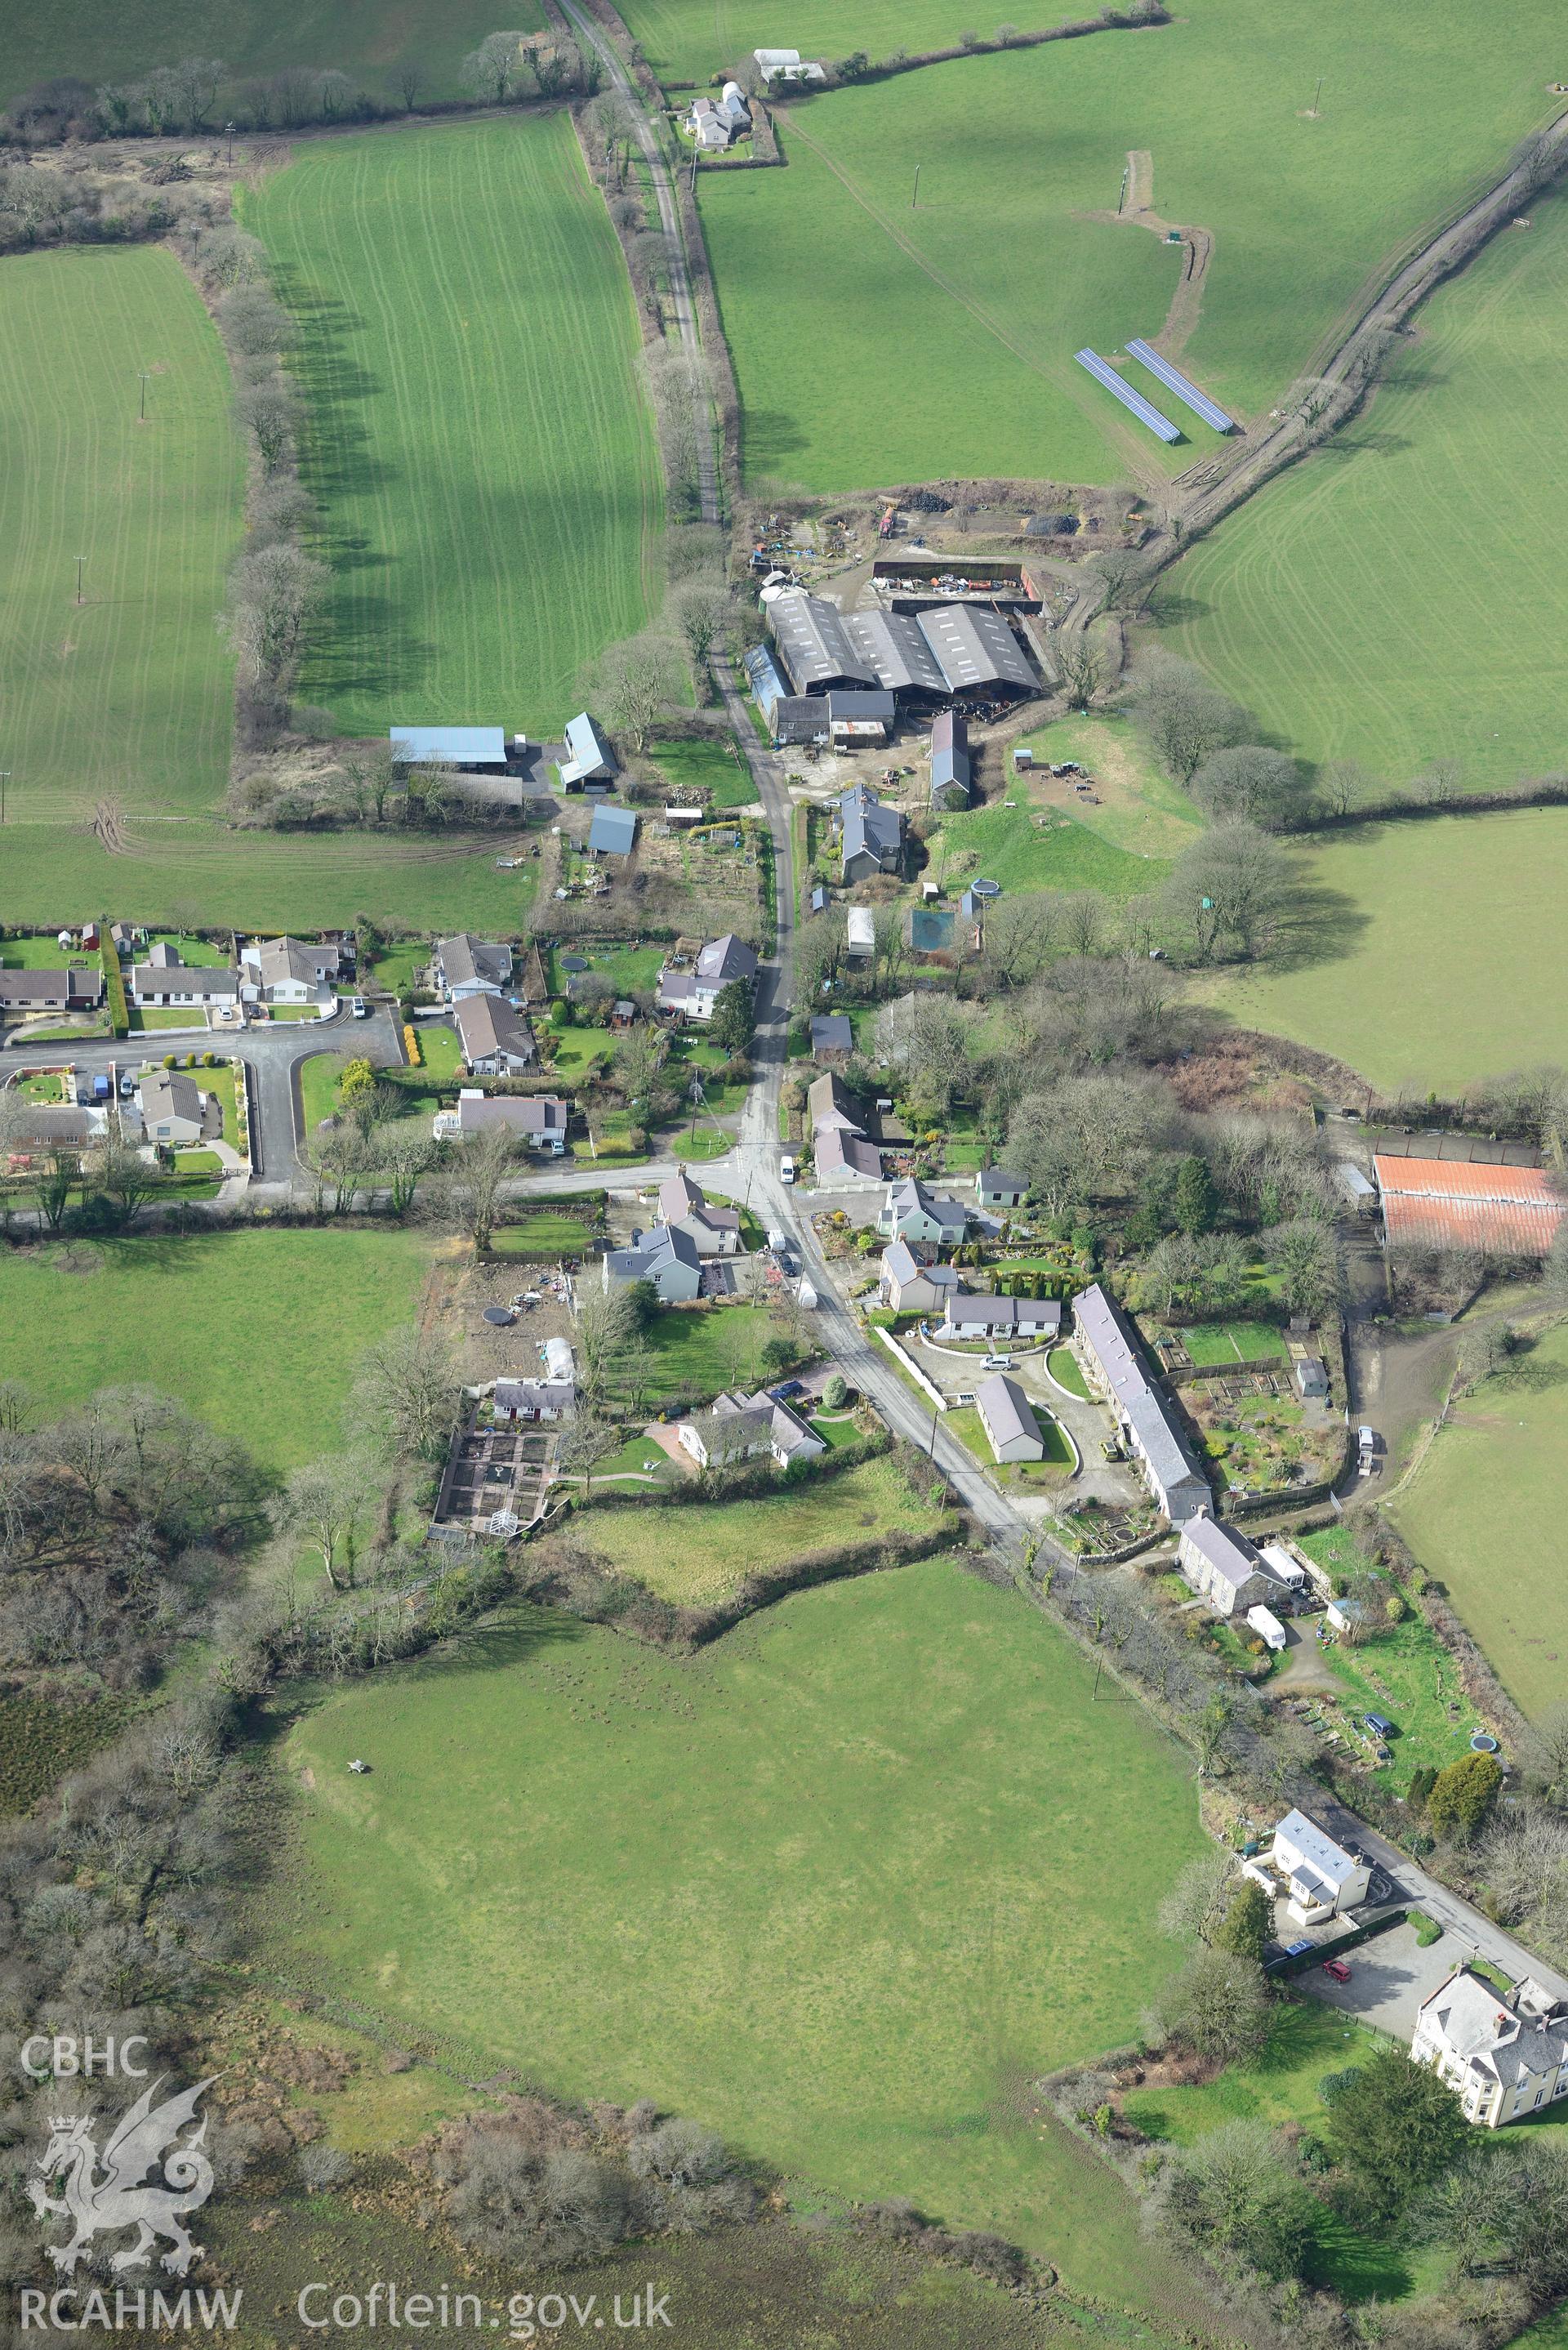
(970, 1429)
(1421, 963)
(698, 1554)
(491, 500)
(1006, 845)
(103, 41)
(716, 770)
(852, 1859)
(197, 871)
(129, 694)
(257, 1331)
(1400, 598)
(544, 1232)
(1230, 1342)
(627, 967)
(1140, 809)
(1485, 1513)
(836, 289)
(1064, 1368)
(703, 1349)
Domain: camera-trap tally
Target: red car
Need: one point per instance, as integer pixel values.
(1337, 1969)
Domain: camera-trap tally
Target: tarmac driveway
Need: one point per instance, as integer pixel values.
(1389, 1978)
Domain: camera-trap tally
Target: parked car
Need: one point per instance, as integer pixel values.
(1337, 1970)
(360, 1008)
(787, 1168)
(1379, 1724)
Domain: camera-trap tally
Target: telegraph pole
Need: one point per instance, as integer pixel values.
(80, 560)
(915, 199)
(229, 135)
(141, 414)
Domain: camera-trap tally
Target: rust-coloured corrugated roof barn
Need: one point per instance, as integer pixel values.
(1453, 1203)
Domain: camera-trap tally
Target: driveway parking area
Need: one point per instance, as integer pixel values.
(1389, 1978)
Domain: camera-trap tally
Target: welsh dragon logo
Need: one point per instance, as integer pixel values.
(121, 2194)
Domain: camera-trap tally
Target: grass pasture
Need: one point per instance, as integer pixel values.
(105, 42)
(855, 1920)
(195, 872)
(699, 1554)
(128, 694)
(1484, 1514)
(1400, 597)
(257, 1331)
(690, 39)
(491, 493)
(835, 291)
(1006, 845)
(1140, 812)
(1424, 963)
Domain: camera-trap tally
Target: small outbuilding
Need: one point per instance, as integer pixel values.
(469, 750)
(613, 832)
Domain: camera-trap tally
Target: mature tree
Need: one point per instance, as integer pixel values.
(1218, 2005)
(636, 679)
(1302, 1252)
(1186, 718)
(495, 69)
(1088, 1135)
(1238, 2197)
(1260, 786)
(403, 1156)
(1395, 2125)
(1193, 1909)
(1248, 1923)
(585, 1441)
(407, 1390)
(835, 1394)
(1347, 784)
(269, 412)
(934, 1037)
(200, 80)
(16, 1406)
(252, 321)
(1231, 888)
(1193, 1204)
(702, 611)
(408, 81)
(608, 1320)
(733, 1017)
(61, 1175)
(1462, 1794)
(1550, 1742)
(1194, 1275)
(273, 591)
(818, 953)
(473, 1188)
(1080, 668)
(323, 1505)
(1017, 937)
(124, 1175)
(1125, 579)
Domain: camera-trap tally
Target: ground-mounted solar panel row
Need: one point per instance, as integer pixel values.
(1144, 410)
(1186, 390)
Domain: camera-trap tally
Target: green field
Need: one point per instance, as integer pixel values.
(691, 39)
(852, 1861)
(196, 871)
(1400, 597)
(1139, 810)
(128, 695)
(699, 1554)
(479, 440)
(257, 1331)
(835, 291)
(1007, 845)
(104, 42)
(1421, 961)
(1484, 1515)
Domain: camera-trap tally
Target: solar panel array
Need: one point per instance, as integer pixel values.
(1186, 390)
(1144, 410)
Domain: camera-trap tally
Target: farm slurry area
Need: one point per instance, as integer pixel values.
(836, 285)
(491, 500)
(851, 1859)
(127, 691)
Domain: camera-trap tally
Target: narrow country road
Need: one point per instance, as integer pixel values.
(680, 300)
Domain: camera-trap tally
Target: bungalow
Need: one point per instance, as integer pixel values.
(667, 1257)
(77, 989)
(911, 1213)
(683, 1206)
(832, 1037)
(1504, 2054)
(287, 971)
(528, 1400)
(691, 994)
(537, 1122)
(845, 1162)
(1008, 1418)
(871, 836)
(910, 1284)
(495, 1041)
(1146, 1422)
(1318, 1878)
(998, 1187)
(49, 1126)
(173, 982)
(830, 1103)
(970, 1314)
(172, 1108)
(739, 1426)
(1226, 1569)
(465, 966)
(591, 762)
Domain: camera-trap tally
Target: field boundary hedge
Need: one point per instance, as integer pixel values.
(114, 987)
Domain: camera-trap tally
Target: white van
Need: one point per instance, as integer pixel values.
(787, 1168)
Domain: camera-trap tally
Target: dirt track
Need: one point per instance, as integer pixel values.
(1137, 210)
